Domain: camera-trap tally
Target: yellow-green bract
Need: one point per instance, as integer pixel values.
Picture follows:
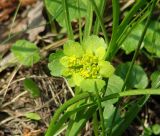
(82, 64)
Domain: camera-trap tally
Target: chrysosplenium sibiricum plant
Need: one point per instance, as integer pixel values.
(82, 64)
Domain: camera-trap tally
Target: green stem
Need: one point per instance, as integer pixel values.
(133, 61)
(95, 124)
(100, 110)
(132, 93)
(79, 22)
(100, 20)
(67, 20)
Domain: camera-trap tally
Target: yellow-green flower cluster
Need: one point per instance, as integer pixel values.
(86, 66)
(82, 63)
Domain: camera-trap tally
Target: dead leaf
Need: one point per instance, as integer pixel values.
(27, 2)
(29, 132)
(36, 21)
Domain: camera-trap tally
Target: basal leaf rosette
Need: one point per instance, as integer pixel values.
(82, 65)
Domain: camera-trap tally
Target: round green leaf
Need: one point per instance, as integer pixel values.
(108, 112)
(76, 9)
(54, 65)
(151, 40)
(137, 78)
(92, 43)
(73, 48)
(106, 69)
(64, 61)
(58, 55)
(100, 53)
(115, 84)
(89, 85)
(56, 68)
(26, 52)
(77, 79)
(131, 42)
(55, 8)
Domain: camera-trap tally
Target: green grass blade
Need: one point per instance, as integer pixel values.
(89, 20)
(58, 112)
(68, 114)
(132, 93)
(115, 14)
(14, 18)
(81, 118)
(95, 124)
(113, 43)
(100, 20)
(138, 19)
(101, 10)
(67, 20)
(100, 110)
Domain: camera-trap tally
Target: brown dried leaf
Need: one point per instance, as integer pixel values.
(28, 132)
(27, 2)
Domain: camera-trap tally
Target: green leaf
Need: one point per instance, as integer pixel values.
(106, 69)
(151, 40)
(108, 113)
(147, 132)
(31, 87)
(71, 82)
(92, 43)
(58, 55)
(26, 52)
(73, 48)
(54, 65)
(89, 85)
(77, 79)
(55, 8)
(33, 116)
(100, 53)
(131, 42)
(155, 79)
(156, 129)
(56, 68)
(115, 84)
(137, 77)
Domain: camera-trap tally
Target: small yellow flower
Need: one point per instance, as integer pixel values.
(83, 62)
